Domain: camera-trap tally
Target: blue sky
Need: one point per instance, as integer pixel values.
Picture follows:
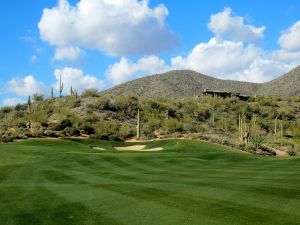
(126, 39)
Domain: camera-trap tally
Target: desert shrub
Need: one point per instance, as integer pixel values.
(90, 93)
(50, 133)
(291, 152)
(257, 141)
(91, 118)
(71, 131)
(172, 125)
(114, 137)
(265, 150)
(226, 142)
(105, 104)
(150, 136)
(126, 132)
(8, 137)
(38, 97)
(37, 133)
(106, 128)
(64, 124)
(88, 129)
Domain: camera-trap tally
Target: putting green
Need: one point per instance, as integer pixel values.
(64, 182)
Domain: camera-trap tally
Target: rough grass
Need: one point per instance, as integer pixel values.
(67, 182)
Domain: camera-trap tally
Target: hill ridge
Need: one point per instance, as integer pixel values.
(184, 83)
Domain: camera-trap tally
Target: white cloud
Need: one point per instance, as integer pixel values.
(12, 101)
(25, 86)
(116, 27)
(226, 25)
(126, 70)
(262, 69)
(290, 39)
(228, 55)
(69, 53)
(287, 57)
(77, 79)
(219, 58)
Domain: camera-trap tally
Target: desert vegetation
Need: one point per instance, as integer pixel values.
(260, 125)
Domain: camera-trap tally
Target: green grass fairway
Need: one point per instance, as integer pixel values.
(66, 182)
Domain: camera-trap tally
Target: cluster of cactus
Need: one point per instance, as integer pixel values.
(61, 88)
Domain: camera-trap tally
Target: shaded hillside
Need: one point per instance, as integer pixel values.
(284, 86)
(179, 84)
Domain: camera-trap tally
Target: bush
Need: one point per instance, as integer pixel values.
(64, 124)
(107, 128)
(291, 152)
(50, 133)
(172, 125)
(88, 129)
(71, 131)
(37, 133)
(90, 93)
(257, 141)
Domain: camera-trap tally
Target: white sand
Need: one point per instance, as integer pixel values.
(152, 149)
(131, 148)
(99, 149)
(138, 148)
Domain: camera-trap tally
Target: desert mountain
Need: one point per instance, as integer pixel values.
(284, 86)
(184, 83)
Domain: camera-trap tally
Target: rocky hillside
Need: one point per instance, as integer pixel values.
(184, 83)
(179, 84)
(284, 86)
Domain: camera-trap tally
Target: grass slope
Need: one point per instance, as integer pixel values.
(66, 182)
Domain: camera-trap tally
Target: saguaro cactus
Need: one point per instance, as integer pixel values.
(52, 93)
(71, 91)
(213, 116)
(254, 119)
(138, 125)
(275, 129)
(61, 86)
(5, 118)
(29, 111)
(29, 105)
(281, 128)
(35, 108)
(240, 127)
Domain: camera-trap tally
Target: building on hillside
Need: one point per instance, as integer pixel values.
(224, 94)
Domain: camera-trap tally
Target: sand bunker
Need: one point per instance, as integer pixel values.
(131, 148)
(138, 148)
(152, 149)
(99, 149)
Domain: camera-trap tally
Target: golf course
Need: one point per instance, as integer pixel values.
(169, 182)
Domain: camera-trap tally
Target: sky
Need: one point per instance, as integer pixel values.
(103, 43)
